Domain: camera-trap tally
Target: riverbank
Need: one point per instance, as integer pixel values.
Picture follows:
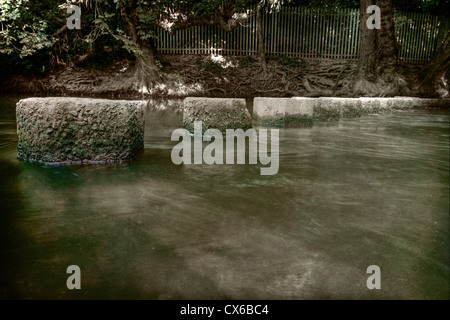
(205, 75)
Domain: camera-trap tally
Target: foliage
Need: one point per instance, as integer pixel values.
(428, 6)
(22, 32)
(327, 4)
(33, 37)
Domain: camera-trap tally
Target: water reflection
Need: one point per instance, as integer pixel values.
(372, 190)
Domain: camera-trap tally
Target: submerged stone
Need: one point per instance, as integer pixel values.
(330, 109)
(304, 110)
(216, 113)
(270, 111)
(405, 102)
(376, 104)
(299, 111)
(79, 130)
(430, 103)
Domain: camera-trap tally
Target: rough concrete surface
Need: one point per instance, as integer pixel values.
(216, 113)
(79, 130)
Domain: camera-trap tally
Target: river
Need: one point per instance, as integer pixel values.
(349, 194)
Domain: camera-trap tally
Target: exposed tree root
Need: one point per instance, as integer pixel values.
(232, 77)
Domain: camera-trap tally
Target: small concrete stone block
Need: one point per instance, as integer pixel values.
(270, 111)
(216, 113)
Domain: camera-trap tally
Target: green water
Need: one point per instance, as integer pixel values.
(366, 191)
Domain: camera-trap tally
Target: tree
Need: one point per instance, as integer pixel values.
(435, 77)
(37, 30)
(378, 51)
(260, 36)
(264, 6)
(139, 19)
(228, 15)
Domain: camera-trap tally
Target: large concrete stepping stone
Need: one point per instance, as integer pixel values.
(79, 130)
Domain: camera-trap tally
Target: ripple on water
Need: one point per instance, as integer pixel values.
(371, 190)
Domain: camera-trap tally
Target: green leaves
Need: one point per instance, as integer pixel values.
(22, 32)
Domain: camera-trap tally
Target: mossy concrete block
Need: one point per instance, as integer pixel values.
(351, 107)
(216, 113)
(370, 105)
(399, 103)
(79, 130)
(413, 102)
(434, 103)
(331, 109)
(327, 109)
(376, 105)
(441, 103)
(299, 110)
(270, 111)
(426, 102)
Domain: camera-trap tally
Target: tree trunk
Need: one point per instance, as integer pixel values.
(146, 70)
(260, 37)
(435, 77)
(388, 47)
(367, 61)
(378, 51)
